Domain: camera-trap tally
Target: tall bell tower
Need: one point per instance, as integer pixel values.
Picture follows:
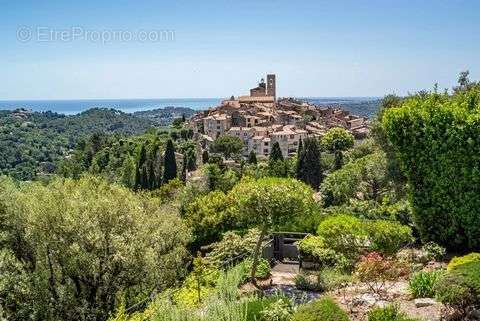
(271, 86)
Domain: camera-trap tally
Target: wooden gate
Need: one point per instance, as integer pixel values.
(282, 246)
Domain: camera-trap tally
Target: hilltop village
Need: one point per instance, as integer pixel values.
(260, 120)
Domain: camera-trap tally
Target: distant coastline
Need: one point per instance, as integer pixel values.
(363, 106)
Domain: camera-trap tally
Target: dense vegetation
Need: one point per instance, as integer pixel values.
(33, 142)
(144, 224)
(437, 139)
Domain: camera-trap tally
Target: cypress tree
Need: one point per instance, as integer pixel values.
(252, 157)
(154, 169)
(309, 168)
(142, 157)
(183, 118)
(205, 157)
(144, 178)
(184, 168)
(276, 153)
(300, 148)
(191, 160)
(170, 164)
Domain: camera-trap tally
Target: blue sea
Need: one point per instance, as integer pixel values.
(363, 106)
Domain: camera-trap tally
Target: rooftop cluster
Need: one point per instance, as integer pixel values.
(260, 120)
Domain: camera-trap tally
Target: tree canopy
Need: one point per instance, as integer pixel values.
(437, 138)
(227, 145)
(70, 248)
(337, 140)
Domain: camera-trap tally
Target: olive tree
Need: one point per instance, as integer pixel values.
(75, 246)
(270, 202)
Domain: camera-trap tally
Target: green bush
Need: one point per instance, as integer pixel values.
(344, 234)
(460, 288)
(436, 138)
(263, 268)
(308, 282)
(388, 237)
(457, 261)
(434, 251)
(388, 313)
(256, 306)
(421, 284)
(324, 309)
(232, 246)
(349, 235)
(313, 248)
(331, 279)
(280, 310)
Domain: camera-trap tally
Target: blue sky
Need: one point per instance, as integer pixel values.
(316, 48)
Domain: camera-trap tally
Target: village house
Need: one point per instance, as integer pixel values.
(260, 120)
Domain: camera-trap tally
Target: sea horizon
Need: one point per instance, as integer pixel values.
(365, 106)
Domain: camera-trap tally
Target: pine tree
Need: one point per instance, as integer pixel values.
(309, 168)
(252, 157)
(170, 164)
(276, 153)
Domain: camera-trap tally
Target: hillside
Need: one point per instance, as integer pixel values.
(165, 116)
(32, 142)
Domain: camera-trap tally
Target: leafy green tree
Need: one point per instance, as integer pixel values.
(74, 247)
(365, 179)
(208, 217)
(268, 203)
(227, 145)
(436, 138)
(337, 140)
(252, 157)
(276, 153)
(309, 167)
(170, 163)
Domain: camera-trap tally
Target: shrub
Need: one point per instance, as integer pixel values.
(388, 237)
(457, 261)
(434, 251)
(388, 313)
(257, 305)
(348, 235)
(422, 284)
(232, 246)
(460, 288)
(312, 248)
(324, 309)
(308, 282)
(263, 268)
(344, 234)
(375, 271)
(333, 278)
(280, 310)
